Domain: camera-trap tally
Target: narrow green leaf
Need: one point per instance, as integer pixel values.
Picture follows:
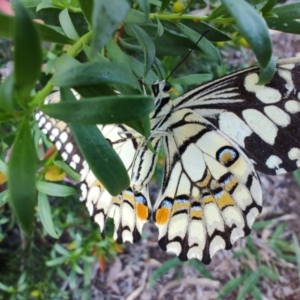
(3, 167)
(205, 45)
(107, 15)
(116, 55)
(288, 11)
(268, 6)
(160, 28)
(31, 3)
(101, 110)
(218, 12)
(102, 159)
(27, 55)
(163, 269)
(146, 43)
(144, 6)
(46, 33)
(256, 293)
(248, 284)
(21, 181)
(7, 101)
(193, 79)
(267, 73)
(94, 73)
(138, 69)
(54, 189)
(195, 263)
(268, 272)
(55, 261)
(45, 215)
(136, 17)
(164, 5)
(87, 10)
(284, 25)
(70, 172)
(67, 25)
(297, 176)
(252, 27)
(297, 252)
(230, 286)
(3, 198)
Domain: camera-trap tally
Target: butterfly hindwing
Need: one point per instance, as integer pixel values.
(210, 194)
(129, 210)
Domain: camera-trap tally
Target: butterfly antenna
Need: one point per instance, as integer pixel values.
(192, 49)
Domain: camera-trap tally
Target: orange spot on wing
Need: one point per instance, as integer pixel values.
(142, 211)
(162, 215)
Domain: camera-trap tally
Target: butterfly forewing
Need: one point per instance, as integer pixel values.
(262, 119)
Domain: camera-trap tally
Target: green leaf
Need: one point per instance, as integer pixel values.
(268, 272)
(229, 286)
(136, 17)
(267, 73)
(144, 6)
(192, 79)
(138, 69)
(195, 263)
(3, 167)
(101, 110)
(288, 11)
(45, 215)
(285, 25)
(22, 168)
(67, 25)
(27, 55)
(87, 10)
(248, 284)
(163, 269)
(3, 198)
(205, 45)
(297, 176)
(256, 293)
(146, 43)
(215, 35)
(71, 173)
(268, 6)
(160, 28)
(252, 27)
(297, 252)
(7, 101)
(164, 5)
(94, 73)
(107, 16)
(102, 159)
(54, 189)
(46, 33)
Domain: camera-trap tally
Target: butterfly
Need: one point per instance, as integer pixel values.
(215, 139)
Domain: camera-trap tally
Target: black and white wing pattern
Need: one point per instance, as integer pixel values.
(215, 138)
(130, 210)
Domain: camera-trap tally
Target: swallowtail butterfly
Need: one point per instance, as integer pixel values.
(215, 139)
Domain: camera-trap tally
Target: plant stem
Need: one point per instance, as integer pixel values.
(75, 49)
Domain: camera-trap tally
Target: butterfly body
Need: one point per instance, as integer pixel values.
(215, 138)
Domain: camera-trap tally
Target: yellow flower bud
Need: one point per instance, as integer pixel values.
(178, 7)
(3, 178)
(54, 173)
